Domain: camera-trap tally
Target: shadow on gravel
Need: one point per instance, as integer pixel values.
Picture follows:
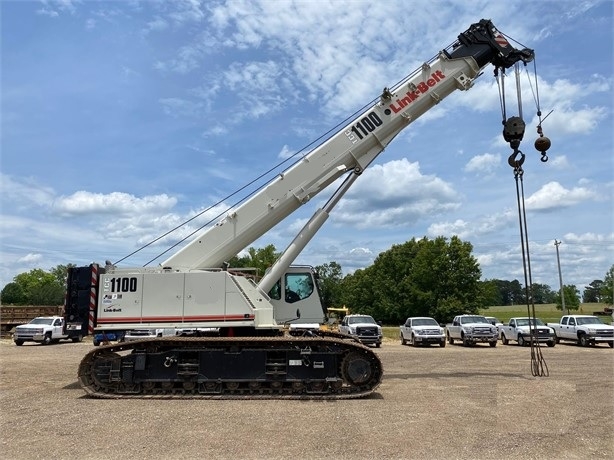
(72, 386)
(435, 375)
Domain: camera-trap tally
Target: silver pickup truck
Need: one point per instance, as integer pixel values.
(471, 329)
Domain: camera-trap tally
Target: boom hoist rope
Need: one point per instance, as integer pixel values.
(513, 132)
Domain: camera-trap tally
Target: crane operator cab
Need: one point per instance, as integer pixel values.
(296, 297)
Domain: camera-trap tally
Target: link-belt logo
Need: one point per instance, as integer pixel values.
(420, 88)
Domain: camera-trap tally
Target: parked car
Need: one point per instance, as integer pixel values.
(422, 330)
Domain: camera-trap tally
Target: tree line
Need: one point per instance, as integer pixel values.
(437, 277)
(36, 287)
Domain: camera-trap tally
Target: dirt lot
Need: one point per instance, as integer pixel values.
(455, 402)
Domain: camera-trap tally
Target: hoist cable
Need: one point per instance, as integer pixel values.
(536, 92)
(533, 91)
(539, 368)
(537, 103)
(501, 84)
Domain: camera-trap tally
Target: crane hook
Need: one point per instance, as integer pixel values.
(516, 163)
(542, 143)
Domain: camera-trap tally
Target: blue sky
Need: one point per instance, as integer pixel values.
(120, 120)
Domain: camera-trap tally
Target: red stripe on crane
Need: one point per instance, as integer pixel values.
(500, 39)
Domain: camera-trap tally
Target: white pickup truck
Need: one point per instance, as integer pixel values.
(521, 329)
(362, 327)
(471, 329)
(44, 330)
(585, 330)
(422, 331)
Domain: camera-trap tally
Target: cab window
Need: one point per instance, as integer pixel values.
(298, 286)
(275, 292)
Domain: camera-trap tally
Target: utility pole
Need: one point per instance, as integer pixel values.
(558, 261)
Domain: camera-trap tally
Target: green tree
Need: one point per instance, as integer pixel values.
(438, 278)
(572, 298)
(330, 277)
(41, 287)
(12, 294)
(512, 292)
(60, 272)
(607, 290)
(490, 293)
(542, 293)
(592, 292)
(260, 259)
(356, 292)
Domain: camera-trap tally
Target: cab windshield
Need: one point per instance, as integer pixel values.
(588, 320)
(361, 319)
(473, 319)
(525, 322)
(424, 322)
(48, 321)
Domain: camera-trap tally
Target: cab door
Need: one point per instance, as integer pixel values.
(56, 333)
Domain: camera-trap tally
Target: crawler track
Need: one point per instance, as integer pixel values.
(330, 366)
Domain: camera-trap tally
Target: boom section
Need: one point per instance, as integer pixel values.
(354, 147)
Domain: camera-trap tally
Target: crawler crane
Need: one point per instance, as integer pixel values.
(253, 356)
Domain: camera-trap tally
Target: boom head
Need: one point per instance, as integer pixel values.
(486, 45)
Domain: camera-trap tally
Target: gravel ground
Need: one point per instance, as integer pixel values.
(435, 403)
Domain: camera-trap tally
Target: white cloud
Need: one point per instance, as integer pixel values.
(25, 192)
(157, 24)
(285, 152)
(553, 195)
(53, 8)
(177, 107)
(559, 162)
(187, 59)
(485, 225)
(567, 100)
(261, 86)
(30, 258)
(116, 203)
(394, 194)
(485, 164)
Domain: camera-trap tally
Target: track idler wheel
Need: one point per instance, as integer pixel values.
(356, 369)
